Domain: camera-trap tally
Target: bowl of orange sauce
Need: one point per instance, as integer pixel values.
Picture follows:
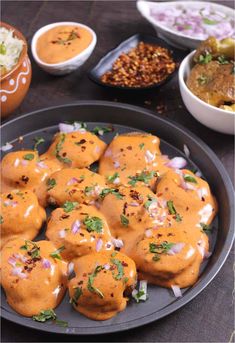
(63, 47)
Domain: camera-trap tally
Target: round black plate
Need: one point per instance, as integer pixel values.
(128, 118)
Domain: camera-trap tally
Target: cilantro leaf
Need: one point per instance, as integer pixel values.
(93, 224)
(28, 157)
(45, 315)
(113, 191)
(145, 177)
(90, 284)
(51, 183)
(38, 141)
(69, 206)
(56, 254)
(120, 268)
(189, 178)
(124, 220)
(112, 178)
(58, 148)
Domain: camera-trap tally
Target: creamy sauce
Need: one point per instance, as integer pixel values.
(32, 284)
(82, 231)
(21, 215)
(70, 184)
(62, 43)
(105, 298)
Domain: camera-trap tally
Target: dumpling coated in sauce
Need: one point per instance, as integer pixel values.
(101, 284)
(81, 185)
(131, 211)
(21, 215)
(33, 280)
(132, 156)
(78, 149)
(190, 196)
(26, 170)
(171, 256)
(81, 231)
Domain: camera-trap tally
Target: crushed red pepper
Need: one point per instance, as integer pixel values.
(142, 66)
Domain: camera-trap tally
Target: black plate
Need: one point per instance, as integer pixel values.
(127, 118)
(106, 62)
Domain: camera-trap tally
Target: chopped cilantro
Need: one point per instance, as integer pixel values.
(172, 210)
(38, 141)
(90, 283)
(101, 130)
(222, 60)
(120, 268)
(107, 191)
(88, 189)
(58, 148)
(69, 206)
(205, 228)
(32, 248)
(208, 21)
(138, 295)
(189, 178)
(51, 183)
(141, 146)
(158, 249)
(28, 157)
(202, 80)
(56, 253)
(76, 296)
(124, 220)
(205, 59)
(93, 224)
(45, 315)
(1, 219)
(61, 323)
(149, 202)
(145, 177)
(112, 178)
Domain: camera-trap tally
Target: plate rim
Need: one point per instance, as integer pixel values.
(193, 292)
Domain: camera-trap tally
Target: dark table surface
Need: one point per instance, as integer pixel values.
(209, 317)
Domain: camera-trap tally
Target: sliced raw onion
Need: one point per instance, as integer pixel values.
(17, 271)
(106, 266)
(148, 233)
(72, 181)
(46, 264)
(176, 249)
(116, 164)
(42, 165)
(118, 243)
(24, 163)
(149, 156)
(99, 245)
(76, 226)
(198, 173)
(143, 287)
(10, 203)
(116, 181)
(7, 147)
(177, 291)
(66, 128)
(12, 261)
(134, 204)
(62, 233)
(70, 268)
(186, 151)
(177, 163)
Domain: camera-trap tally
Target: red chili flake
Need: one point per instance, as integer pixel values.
(124, 264)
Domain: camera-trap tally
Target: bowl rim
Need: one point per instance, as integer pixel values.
(188, 3)
(23, 53)
(181, 71)
(46, 28)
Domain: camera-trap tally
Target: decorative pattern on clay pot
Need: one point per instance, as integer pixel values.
(15, 84)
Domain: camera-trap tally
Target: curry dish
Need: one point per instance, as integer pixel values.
(212, 78)
(140, 218)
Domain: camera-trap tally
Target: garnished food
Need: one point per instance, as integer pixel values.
(141, 208)
(97, 290)
(62, 43)
(196, 21)
(32, 279)
(142, 66)
(10, 50)
(212, 77)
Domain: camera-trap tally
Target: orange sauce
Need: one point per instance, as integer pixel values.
(62, 43)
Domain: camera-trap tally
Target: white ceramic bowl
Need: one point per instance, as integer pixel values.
(177, 39)
(210, 116)
(70, 65)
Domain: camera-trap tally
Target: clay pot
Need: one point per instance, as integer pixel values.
(15, 84)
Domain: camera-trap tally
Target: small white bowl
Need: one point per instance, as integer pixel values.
(213, 117)
(174, 38)
(67, 66)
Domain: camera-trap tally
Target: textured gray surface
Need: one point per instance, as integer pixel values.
(209, 317)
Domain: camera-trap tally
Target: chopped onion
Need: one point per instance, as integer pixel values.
(106, 266)
(202, 192)
(76, 226)
(143, 287)
(12, 261)
(70, 268)
(62, 233)
(17, 271)
(177, 163)
(99, 245)
(149, 156)
(97, 149)
(66, 128)
(148, 233)
(10, 203)
(116, 181)
(176, 248)
(42, 165)
(116, 164)
(198, 173)
(7, 147)
(108, 153)
(207, 254)
(118, 243)
(186, 151)
(177, 291)
(24, 163)
(134, 204)
(46, 263)
(205, 213)
(72, 181)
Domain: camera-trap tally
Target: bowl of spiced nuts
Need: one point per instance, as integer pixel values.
(138, 63)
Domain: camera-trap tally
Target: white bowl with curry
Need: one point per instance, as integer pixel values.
(63, 47)
(207, 84)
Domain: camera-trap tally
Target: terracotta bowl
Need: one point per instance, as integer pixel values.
(15, 84)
